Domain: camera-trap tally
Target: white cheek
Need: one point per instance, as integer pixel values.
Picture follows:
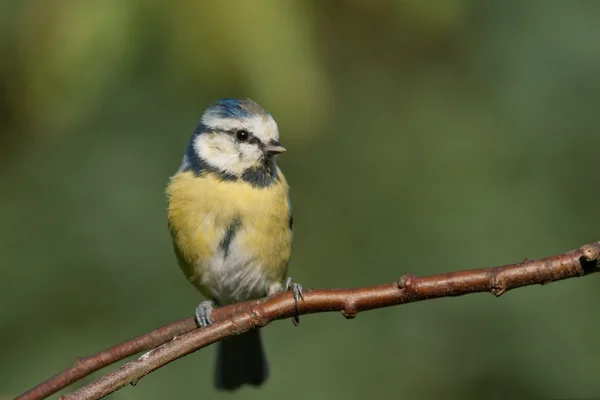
(250, 153)
(221, 152)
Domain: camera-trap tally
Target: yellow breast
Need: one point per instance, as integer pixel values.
(202, 208)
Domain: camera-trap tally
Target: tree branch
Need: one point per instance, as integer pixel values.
(182, 337)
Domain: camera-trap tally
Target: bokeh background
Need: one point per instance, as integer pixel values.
(422, 137)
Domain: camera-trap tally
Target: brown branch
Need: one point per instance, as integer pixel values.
(238, 318)
(84, 366)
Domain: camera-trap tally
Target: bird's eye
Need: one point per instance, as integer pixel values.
(242, 135)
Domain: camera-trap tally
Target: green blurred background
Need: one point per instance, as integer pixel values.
(422, 137)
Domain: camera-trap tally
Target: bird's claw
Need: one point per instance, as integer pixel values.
(296, 289)
(202, 313)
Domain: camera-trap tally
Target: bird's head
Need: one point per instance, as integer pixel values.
(234, 138)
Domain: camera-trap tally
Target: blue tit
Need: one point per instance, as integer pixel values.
(231, 223)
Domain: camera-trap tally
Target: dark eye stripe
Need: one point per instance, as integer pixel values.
(251, 138)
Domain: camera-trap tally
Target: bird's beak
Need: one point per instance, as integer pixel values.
(274, 148)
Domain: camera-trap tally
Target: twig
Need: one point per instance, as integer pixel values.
(238, 318)
(84, 366)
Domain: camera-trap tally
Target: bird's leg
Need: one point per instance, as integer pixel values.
(202, 313)
(296, 289)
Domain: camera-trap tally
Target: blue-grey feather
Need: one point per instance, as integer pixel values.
(241, 359)
(229, 108)
(258, 177)
(234, 108)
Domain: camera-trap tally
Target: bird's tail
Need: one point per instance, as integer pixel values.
(241, 359)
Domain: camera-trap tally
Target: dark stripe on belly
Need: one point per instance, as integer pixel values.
(232, 229)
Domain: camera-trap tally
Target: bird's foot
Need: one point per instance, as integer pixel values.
(296, 289)
(202, 313)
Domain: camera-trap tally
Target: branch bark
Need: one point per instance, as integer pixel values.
(182, 337)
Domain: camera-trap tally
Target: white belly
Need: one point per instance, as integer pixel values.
(236, 277)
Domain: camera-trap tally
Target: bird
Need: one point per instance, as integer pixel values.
(231, 224)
